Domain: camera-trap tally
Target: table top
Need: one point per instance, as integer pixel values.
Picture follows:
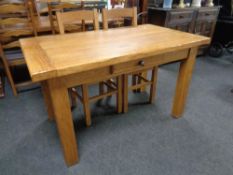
(59, 55)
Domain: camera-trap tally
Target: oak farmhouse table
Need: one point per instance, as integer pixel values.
(63, 61)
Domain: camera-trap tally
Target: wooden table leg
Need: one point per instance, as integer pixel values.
(125, 93)
(63, 116)
(134, 82)
(183, 81)
(153, 85)
(86, 105)
(47, 99)
(119, 94)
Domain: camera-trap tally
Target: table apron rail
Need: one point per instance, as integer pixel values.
(100, 74)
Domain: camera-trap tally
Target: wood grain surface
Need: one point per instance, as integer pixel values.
(55, 56)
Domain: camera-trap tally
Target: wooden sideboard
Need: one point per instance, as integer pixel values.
(194, 20)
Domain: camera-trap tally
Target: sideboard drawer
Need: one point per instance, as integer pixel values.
(206, 15)
(145, 63)
(178, 17)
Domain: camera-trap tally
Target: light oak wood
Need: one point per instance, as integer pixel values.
(65, 63)
(48, 58)
(7, 71)
(2, 2)
(13, 8)
(70, 17)
(48, 99)
(106, 94)
(135, 65)
(86, 105)
(142, 82)
(125, 93)
(153, 84)
(65, 18)
(183, 81)
(59, 7)
(119, 95)
(14, 24)
(63, 116)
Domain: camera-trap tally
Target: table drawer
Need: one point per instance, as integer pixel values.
(180, 17)
(145, 63)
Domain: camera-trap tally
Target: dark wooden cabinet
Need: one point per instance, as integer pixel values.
(205, 21)
(194, 20)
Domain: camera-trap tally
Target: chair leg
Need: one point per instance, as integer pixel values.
(134, 82)
(125, 93)
(119, 94)
(11, 81)
(153, 85)
(73, 97)
(86, 105)
(108, 88)
(143, 74)
(101, 88)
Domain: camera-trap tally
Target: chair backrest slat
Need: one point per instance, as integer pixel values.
(65, 5)
(2, 2)
(119, 13)
(61, 6)
(13, 22)
(71, 17)
(13, 8)
(14, 27)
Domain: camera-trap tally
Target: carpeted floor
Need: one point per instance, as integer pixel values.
(145, 141)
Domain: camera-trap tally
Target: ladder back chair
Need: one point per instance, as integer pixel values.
(64, 18)
(14, 24)
(75, 17)
(54, 7)
(41, 23)
(139, 79)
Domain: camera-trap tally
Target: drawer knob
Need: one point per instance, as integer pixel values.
(141, 63)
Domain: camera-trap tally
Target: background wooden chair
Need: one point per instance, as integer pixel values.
(64, 18)
(119, 14)
(54, 7)
(142, 17)
(15, 23)
(41, 22)
(139, 80)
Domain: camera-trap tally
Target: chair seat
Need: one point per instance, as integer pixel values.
(15, 57)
